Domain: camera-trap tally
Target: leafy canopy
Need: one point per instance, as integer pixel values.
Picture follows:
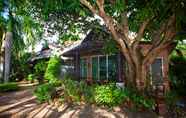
(70, 16)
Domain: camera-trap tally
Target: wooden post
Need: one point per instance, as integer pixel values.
(120, 67)
(77, 65)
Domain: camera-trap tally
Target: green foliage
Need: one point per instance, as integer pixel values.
(142, 102)
(40, 67)
(109, 95)
(44, 92)
(178, 74)
(53, 69)
(86, 92)
(171, 98)
(8, 87)
(69, 36)
(20, 66)
(74, 91)
(71, 90)
(110, 47)
(31, 77)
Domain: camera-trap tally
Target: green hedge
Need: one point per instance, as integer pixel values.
(5, 87)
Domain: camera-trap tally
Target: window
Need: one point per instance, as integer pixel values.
(157, 71)
(95, 71)
(112, 67)
(104, 67)
(83, 68)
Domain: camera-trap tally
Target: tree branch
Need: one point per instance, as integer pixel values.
(137, 53)
(167, 39)
(125, 23)
(142, 29)
(89, 6)
(109, 21)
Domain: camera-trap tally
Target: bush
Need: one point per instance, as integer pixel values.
(20, 67)
(71, 90)
(40, 67)
(31, 78)
(174, 109)
(140, 101)
(76, 91)
(44, 92)
(86, 92)
(109, 95)
(178, 74)
(53, 69)
(39, 70)
(171, 98)
(8, 87)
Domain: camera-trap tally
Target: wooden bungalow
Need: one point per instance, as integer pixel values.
(91, 63)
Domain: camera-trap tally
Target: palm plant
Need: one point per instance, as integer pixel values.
(20, 32)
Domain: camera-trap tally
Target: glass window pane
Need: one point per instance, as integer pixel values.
(95, 68)
(83, 68)
(112, 67)
(102, 68)
(157, 75)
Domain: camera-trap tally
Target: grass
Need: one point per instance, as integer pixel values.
(6, 87)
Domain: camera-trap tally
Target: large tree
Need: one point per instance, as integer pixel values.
(17, 26)
(156, 21)
(145, 14)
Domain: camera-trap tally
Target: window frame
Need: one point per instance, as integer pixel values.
(85, 58)
(162, 69)
(107, 68)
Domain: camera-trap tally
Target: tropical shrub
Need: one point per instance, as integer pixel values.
(71, 90)
(171, 98)
(31, 78)
(87, 92)
(109, 95)
(178, 74)
(20, 67)
(140, 101)
(44, 92)
(74, 91)
(53, 69)
(175, 109)
(39, 70)
(40, 67)
(5, 87)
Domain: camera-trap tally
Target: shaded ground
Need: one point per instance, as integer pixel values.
(22, 104)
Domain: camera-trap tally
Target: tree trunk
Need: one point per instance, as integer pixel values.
(136, 70)
(7, 56)
(136, 76)
(141, 76)
(2, 58)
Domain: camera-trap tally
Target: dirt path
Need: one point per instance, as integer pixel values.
(22, 104)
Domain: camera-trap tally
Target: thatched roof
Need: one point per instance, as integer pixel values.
(95, 41)
(43, 54)
(92, 42)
